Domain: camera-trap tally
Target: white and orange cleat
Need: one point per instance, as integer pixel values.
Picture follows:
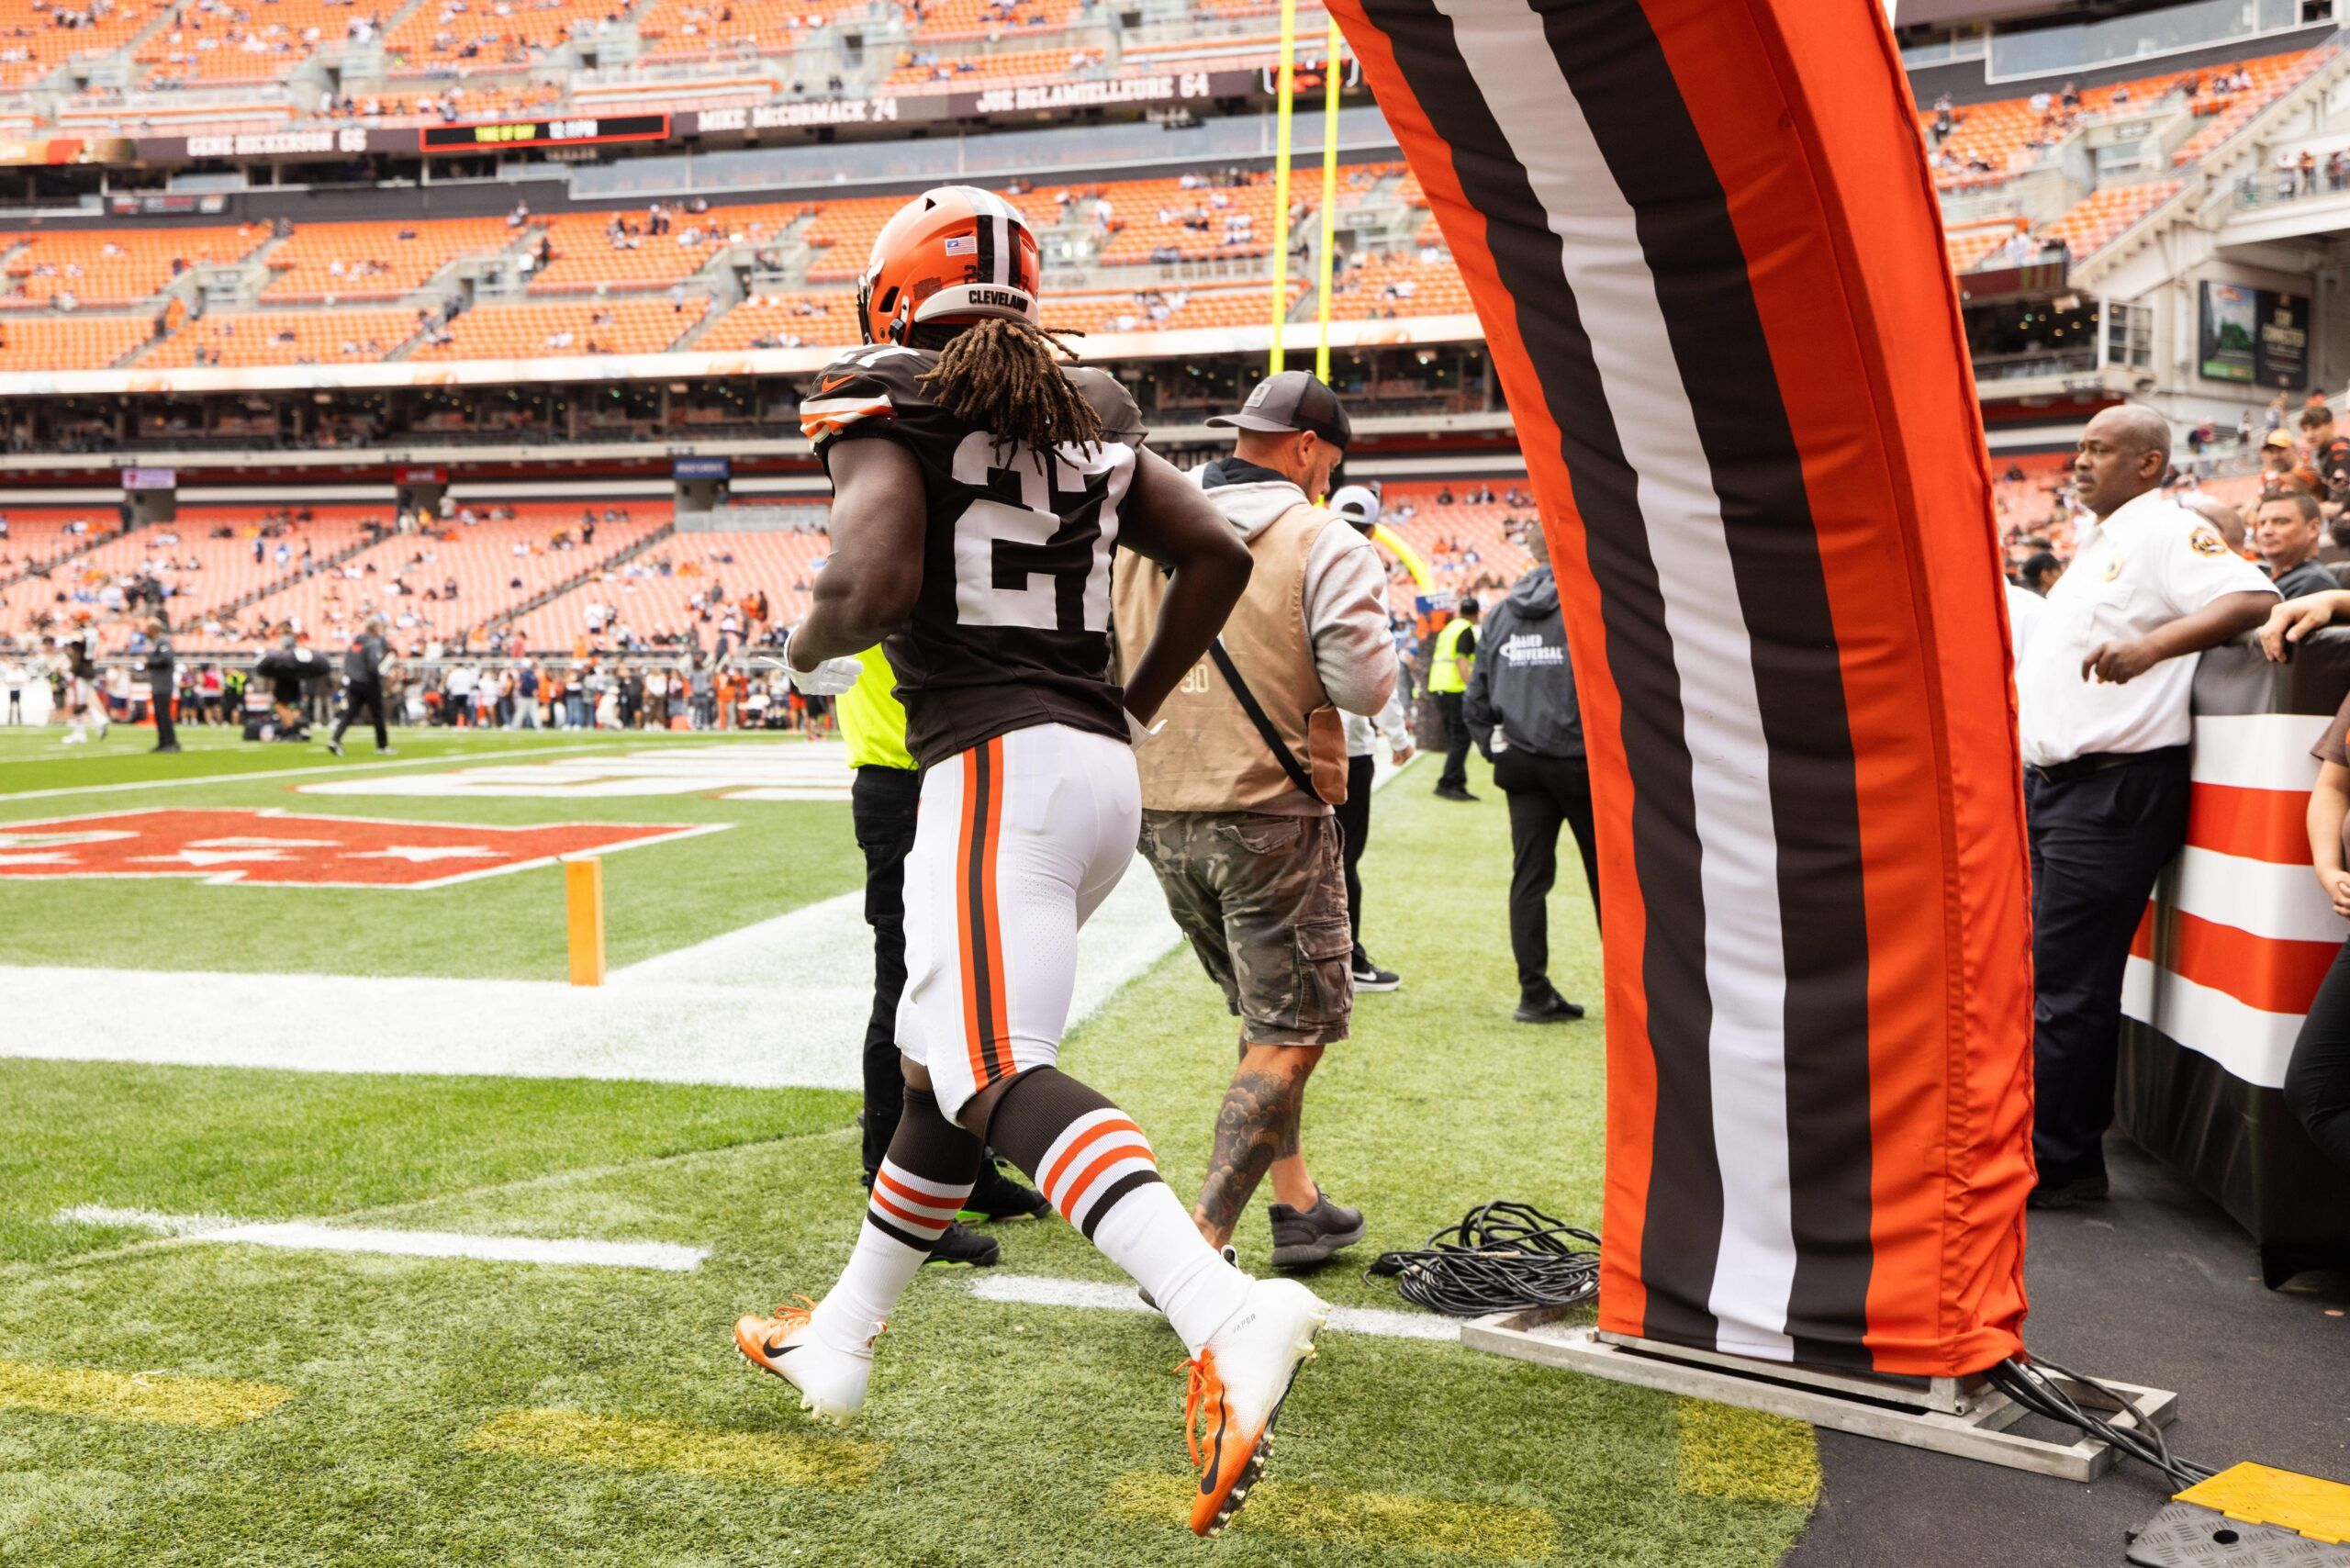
(1238, 1382)
(831, 1383)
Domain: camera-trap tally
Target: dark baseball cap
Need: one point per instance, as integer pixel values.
(1292, 400)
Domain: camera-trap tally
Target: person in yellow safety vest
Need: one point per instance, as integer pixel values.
(881, 804)
(1448, 669)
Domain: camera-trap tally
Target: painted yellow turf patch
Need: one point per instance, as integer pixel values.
(628, 1443)
(1371, 1518)
(1745, 1456)
(161, 1398)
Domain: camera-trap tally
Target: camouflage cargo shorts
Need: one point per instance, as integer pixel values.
(1262, 900)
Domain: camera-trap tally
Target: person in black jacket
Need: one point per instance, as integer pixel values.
(161, 668)
(363, 676)
(1521, 710)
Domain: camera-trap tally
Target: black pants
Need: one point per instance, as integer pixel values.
(881, 804)
(2097, 843)
(2317, 1079)
(367, 694)
(1543, 792)
(1354, 835)
(1455, 741)
(159, 702)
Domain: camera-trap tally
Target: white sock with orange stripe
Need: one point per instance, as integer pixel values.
(1094, 1164)
(916, 1194)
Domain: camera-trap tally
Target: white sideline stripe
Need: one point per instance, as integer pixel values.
(2283, 903)
(782, 1004)
(142, 1219)
(1034, 1289)
(302, 1237)
(2247, 1042)
(2256, 751)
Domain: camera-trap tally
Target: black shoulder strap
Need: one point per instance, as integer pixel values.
(1248, 705)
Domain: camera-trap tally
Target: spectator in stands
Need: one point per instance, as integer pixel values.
(2281, 466)
(2288, 530)
(2102, 695)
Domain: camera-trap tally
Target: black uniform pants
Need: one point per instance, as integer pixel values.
(2317, 1079)
(367, 694)
(1354, 835)
(2098, 841)
(1456, 740)
(159, 701)
(881, 804)
(1543, 792)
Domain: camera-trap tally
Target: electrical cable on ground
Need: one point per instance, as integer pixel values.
(1504, 1257)
(2029, 1386)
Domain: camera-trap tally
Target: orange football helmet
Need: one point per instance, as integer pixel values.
(955, 253)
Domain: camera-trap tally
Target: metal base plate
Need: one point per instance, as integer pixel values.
(2186, 1536)
(1895, 1411)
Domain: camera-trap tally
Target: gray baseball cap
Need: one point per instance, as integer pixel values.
(1292, 400)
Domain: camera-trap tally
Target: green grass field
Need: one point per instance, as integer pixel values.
(186, 1402)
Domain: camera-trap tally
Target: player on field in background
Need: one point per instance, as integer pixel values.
(78, 650)
(980, 490)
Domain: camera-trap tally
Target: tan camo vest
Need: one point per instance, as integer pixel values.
(1209, 757)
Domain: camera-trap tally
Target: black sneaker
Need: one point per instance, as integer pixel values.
(1452, 792)
(1303, 1237)
(1545, 1007)
(1370, 977)
(2066, 1195)
(962, 1247)
(996, 1197)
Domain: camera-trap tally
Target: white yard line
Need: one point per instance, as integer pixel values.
(1033, 1289)
(302, 1237)
(258, 776)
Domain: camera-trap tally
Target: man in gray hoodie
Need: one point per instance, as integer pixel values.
(1521, 709)
(1238, 777)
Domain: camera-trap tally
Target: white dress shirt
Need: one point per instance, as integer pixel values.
(2148, 563)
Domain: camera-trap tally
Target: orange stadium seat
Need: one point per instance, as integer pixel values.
(785, 320)
(569, 327)
(845, 230)
(1385, 284)
(2098, 219)
(1965, 247)
(39, 535)
(68, 342)
(1168, 309)
(285, 337)
(199, 572)
(376, 261)
(681, 30)
(1467, 544)
(113, 266)
(943, 19)
(488, 34)
(496, 562)
(962, 73)
(37, 37)
(253, 41)
(650, 604)
(586, 259)
(1998, 133)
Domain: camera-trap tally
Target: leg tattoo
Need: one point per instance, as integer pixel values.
(1259, 1117)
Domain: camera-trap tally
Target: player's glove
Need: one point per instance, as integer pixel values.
(829, 679)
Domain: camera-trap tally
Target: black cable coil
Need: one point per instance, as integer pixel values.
(1502, 1257)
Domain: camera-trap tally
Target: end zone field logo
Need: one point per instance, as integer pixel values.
(269, 848)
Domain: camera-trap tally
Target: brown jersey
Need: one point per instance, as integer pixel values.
(1011, 628)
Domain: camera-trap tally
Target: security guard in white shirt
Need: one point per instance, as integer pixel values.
(2102, 687)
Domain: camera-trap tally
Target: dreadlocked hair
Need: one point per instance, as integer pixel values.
(1002, 375)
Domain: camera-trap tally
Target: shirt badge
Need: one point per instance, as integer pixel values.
(2113, 569)
(2207, 542)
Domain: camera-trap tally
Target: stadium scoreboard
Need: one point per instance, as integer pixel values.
(574, 130)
